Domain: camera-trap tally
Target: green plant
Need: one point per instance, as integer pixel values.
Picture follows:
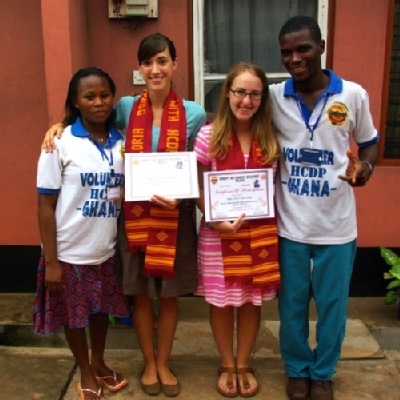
(392, 259)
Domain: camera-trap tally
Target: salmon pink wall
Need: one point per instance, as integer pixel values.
(359, 55)
(65, 40)
(57, 55)
(114, 48)
(24, 118)
(79, 35)
(44, 44)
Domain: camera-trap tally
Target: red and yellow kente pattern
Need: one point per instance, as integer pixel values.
(250, 256)
(148, 227)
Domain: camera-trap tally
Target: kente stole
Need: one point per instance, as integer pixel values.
(151, 228)
(250, 256)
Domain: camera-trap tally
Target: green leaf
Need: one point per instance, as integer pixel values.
(393, 284)
(387, 275)
(391, 297)
(395, 271)
(389, 256)
(111, 318)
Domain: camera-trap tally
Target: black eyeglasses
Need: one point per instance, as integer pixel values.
(242, 94)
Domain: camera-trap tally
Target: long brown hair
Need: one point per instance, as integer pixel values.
(262, 128)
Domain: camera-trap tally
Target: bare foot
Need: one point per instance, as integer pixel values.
(107, 374)
(247, 382)
(227, 381)
(149, 375)
(166, 376)
(89, 390)
(88, 381)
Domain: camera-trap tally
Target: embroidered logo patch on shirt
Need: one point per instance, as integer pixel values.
(337, 113)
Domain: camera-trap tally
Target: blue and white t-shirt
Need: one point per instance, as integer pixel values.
(79, 172)
(314, 205)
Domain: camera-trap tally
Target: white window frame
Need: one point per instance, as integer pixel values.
(198, 48)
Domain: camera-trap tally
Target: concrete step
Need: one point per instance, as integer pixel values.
(195, 339)
(119, 337)
(365, 336)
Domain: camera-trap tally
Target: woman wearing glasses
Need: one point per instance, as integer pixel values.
(241, 137)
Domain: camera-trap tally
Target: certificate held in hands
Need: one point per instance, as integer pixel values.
(172, 175)
(228, 194)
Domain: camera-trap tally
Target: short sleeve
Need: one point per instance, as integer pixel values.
(123, 111)
(49, 173)
(364, 131)
(201, 145)
(195, 118)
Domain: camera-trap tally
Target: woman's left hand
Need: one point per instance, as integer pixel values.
(165, 202)
(227, 226)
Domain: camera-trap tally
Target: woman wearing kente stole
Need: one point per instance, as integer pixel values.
(157, 239)
(238, 260)
(157, 121)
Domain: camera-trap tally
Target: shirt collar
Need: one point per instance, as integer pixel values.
(335, 84)
(78, 130)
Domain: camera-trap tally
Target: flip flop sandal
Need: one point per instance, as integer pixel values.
(81, 392)
(245, 382)
(229, 381)
(102, 380)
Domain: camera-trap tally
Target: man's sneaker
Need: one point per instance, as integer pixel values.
(298, 388)
(321, 390)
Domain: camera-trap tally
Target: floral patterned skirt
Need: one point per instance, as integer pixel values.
(89, 289)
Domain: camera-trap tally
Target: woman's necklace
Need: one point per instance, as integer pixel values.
(100, 140)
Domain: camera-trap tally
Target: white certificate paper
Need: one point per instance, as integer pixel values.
(172, 175)
(228, 194)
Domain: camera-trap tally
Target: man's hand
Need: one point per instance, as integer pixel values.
(357, 172)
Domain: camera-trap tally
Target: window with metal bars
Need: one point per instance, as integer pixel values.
(391, 149)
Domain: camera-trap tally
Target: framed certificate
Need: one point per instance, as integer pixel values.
(172, 175)
(228, 194)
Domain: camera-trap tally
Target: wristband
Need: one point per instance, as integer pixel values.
(369, 165)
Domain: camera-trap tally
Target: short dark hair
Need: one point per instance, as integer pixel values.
(71, 112)
(299, 23)
(153, 44)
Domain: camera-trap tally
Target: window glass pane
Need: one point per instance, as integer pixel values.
(392, 132)
(247, 30)
(212, 92)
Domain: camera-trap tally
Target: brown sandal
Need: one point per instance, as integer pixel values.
(229, 381)
(245, 382)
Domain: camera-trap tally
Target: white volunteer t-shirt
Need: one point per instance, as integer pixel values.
(79, 173)
(314, 205)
